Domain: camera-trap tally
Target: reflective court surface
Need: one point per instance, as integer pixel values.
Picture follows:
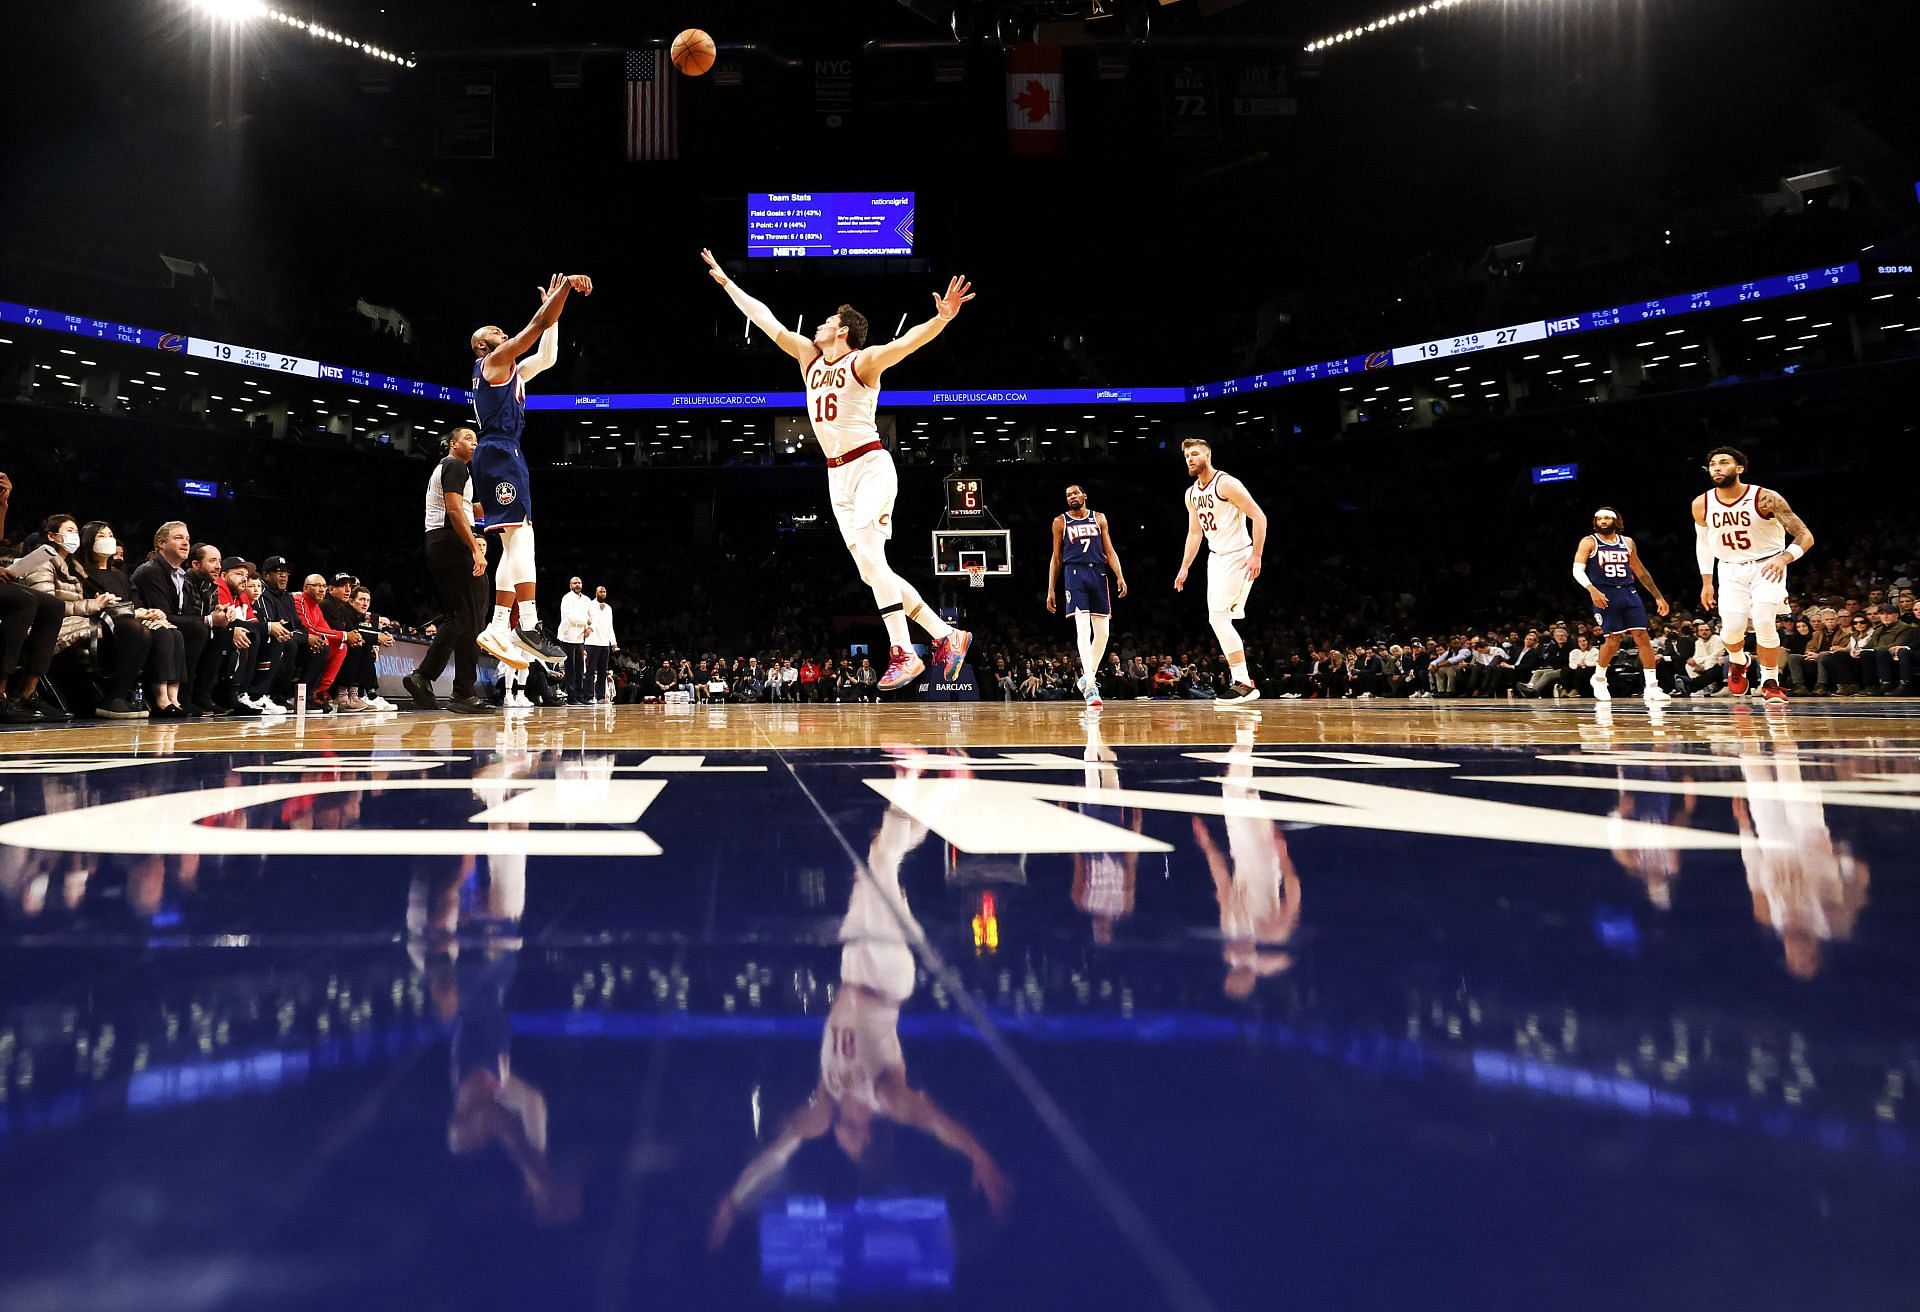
(1325, 1006)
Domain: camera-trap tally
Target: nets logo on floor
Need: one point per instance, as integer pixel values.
(504, 493)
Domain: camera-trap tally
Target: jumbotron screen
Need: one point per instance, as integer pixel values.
(811, 224)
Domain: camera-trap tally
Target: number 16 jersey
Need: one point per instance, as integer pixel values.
(840, 407)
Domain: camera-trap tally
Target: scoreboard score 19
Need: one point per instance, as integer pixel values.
(965, 496)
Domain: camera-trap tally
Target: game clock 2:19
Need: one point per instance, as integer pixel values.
(965, 496)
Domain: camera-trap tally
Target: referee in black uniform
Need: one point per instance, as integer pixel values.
(458, 562)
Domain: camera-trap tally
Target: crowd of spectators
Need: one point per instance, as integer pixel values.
(175, 632)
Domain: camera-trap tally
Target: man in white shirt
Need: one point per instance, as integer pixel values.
(576, 617)
(599, 646)
(789, 681)
(1704, 670)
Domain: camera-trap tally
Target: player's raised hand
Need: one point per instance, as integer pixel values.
(714, 270)
(959, 292)
(580, 283)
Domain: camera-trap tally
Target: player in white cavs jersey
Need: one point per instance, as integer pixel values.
(842, 375)
(1744, 527)
(1224, 513)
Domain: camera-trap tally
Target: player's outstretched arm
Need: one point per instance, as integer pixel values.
(1703, 551)
(499, 362)
(1641, 572)
(1235, 494)
(876, 360)
(547, 354)
(758, 314)
(1113, 557)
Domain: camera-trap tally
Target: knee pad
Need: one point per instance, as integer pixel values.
(516, 558)
(1766, 632)
(1222, 624)
(1733, 628)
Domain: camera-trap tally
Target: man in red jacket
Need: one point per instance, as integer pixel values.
(321, 637)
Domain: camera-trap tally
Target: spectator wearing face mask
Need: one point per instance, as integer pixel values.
(143, 642)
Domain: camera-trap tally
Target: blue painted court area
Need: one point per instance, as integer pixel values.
(1234, 1026)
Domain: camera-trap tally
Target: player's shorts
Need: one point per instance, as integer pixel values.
(1228, 584)
(501, 497)
(1087, 590)
(1742, 591)
(862, 494)
(1625, 612)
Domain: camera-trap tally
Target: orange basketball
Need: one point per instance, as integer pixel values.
(692, 52)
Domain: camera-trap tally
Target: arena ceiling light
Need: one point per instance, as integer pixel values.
(241, 11)
(1383, 23)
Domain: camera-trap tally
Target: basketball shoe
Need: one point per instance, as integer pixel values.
(903, 667)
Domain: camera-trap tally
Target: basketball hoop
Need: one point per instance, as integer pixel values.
(976, 575)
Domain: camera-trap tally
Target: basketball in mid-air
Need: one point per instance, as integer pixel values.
(692, 52)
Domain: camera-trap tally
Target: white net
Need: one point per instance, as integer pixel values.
(976, 576)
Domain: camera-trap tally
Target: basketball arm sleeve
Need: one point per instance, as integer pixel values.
(757, 313)
(1703, 550)
(1580, 574)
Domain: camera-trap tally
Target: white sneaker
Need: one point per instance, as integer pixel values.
(518, 701)
(382, 704)
(270, 708)
(1601, 692)
(496, 640)
(1366, 696)
(1655, 693)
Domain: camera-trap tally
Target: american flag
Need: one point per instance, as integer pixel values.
(653, 108)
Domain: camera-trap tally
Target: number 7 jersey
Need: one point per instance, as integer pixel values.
(840, 407)
(1221, 520)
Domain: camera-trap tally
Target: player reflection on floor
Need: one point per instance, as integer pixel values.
(863, 1072)
(1253, 881)
(1807, 886)
(463, 932)
(1104, 882)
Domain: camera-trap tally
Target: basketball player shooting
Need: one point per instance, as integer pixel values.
(1083, 548)
(1221, 511)
(1616, 602)
(1744, 527)
(842, 375)
(500, 378)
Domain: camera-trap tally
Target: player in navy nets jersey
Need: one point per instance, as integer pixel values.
(1616, 601)
(1083, 548)
(500, 491)
(842, 376)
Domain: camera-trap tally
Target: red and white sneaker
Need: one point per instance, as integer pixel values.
(903, 667)
(1774, 692)
(950, 653)
(1737, 679)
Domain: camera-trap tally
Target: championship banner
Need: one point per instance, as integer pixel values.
(1036, 102)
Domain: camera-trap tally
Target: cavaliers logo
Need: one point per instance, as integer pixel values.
(883, 520)
(172, 342)
(1379, 359)
(504, 493)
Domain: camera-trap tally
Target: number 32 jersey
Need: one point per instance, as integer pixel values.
(1740, 533)
(1221, 520)
(840, 406)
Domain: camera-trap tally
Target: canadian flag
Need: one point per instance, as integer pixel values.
(1036, 101)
